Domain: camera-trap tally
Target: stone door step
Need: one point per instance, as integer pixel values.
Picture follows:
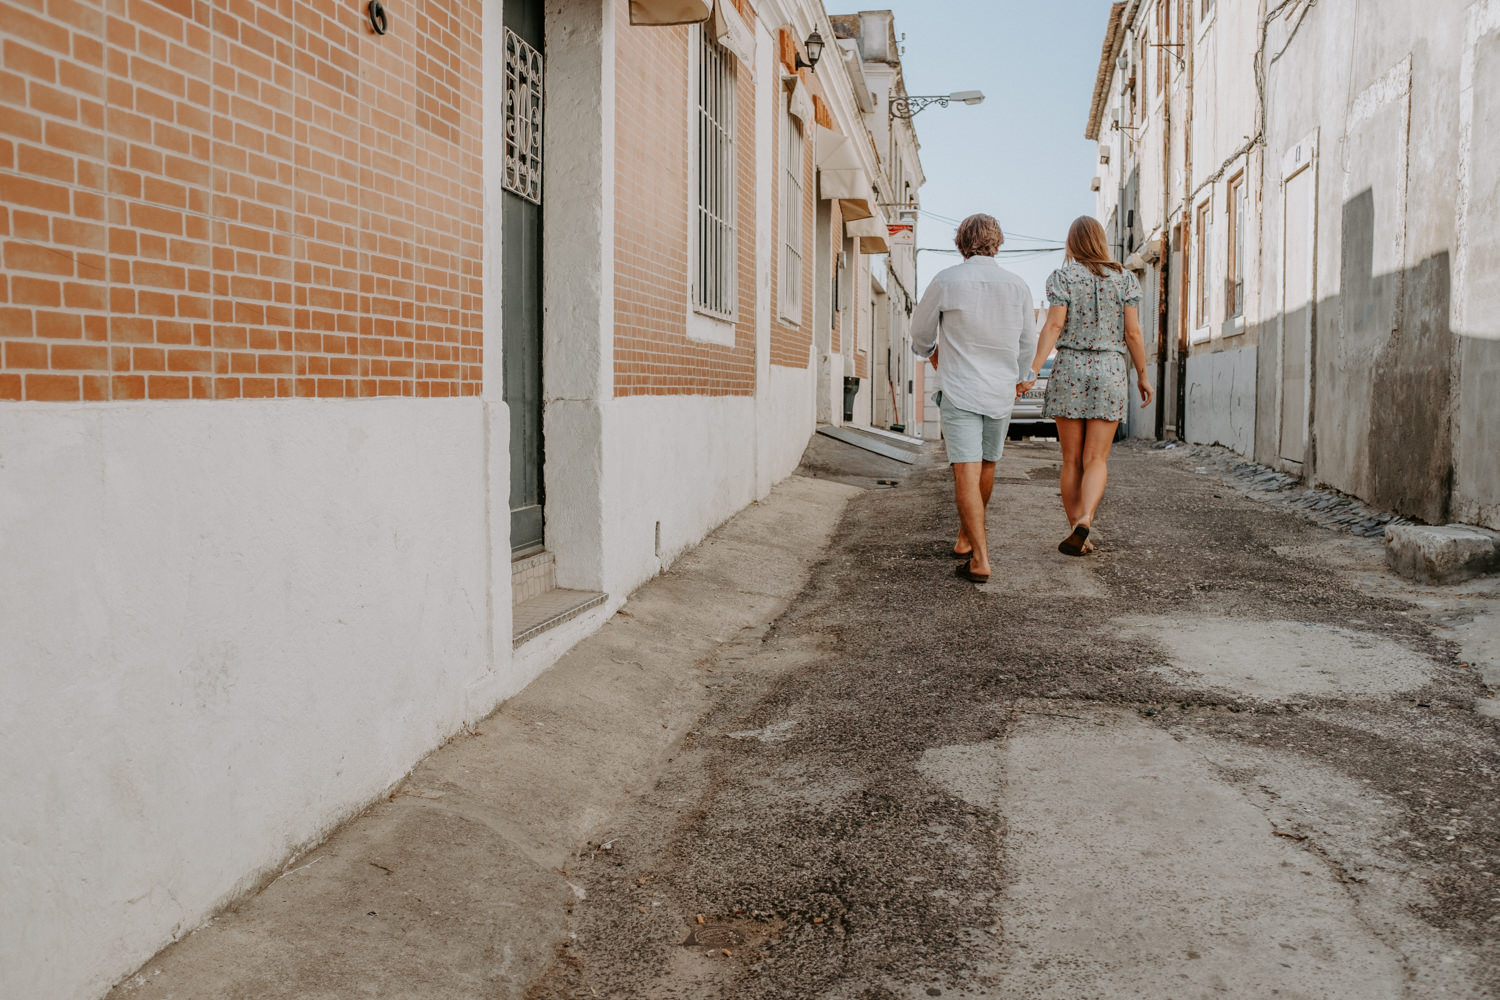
(536, 615)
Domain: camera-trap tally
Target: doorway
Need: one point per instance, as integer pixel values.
(1299, 229)
(521, 267)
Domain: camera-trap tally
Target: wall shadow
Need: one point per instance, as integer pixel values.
(1383, 398)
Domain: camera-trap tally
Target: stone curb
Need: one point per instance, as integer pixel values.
(1449, 553)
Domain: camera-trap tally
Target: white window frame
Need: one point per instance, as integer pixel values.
(1234, 248)
(1200, 330)
(713, 223)
(791, 255)
(1201, 22)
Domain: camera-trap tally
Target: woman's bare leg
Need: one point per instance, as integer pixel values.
(1070, 435)
(1098, 436)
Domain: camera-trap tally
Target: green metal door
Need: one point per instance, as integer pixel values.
(521, 255)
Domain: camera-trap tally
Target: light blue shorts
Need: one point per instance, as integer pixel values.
(972, 437)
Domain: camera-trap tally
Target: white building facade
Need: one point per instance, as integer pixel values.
(1304, 187)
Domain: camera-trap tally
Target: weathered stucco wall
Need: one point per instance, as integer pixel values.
(1399, 413)
(1476, 424)
(1221, 399)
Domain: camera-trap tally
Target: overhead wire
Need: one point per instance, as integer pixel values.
(1020, 251)
(1009, 234)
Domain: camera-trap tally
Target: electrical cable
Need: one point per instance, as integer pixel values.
(1008, 234)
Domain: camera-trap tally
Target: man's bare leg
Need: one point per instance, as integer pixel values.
(967, 477)
(963, 546)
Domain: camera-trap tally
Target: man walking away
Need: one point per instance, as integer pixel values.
(980, 316)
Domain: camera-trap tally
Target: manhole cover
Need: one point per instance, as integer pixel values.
(714, 936)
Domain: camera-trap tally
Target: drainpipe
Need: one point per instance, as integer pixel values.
(1187, 184)
(1164, 272)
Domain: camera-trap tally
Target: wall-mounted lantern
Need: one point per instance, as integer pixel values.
(814, 46)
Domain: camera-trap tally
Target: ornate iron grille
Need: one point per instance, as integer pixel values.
(523, 118)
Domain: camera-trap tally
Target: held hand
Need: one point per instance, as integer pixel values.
(1144, 385)
(1024, 387)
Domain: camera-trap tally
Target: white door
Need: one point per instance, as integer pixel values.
(1299, 206)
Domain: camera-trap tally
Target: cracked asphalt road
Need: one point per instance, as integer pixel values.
(1228, 755)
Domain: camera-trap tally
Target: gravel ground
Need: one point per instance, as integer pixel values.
(801, 845)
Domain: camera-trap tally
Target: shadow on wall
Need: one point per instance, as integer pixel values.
(1382, 396)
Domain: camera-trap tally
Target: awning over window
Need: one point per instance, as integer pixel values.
(841, 178)
(670, 11)
(872, 233)
(731, 31)
(799, 102)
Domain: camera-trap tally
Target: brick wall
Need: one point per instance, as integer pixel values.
(212, 199)
(791, 343)
(653, 201)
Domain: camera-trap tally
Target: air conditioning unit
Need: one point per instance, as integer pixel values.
(1094, 184)
(1103, 154)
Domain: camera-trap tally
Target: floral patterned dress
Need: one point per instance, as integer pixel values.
(1088, 380)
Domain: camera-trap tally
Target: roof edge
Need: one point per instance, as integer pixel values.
(1114, 38)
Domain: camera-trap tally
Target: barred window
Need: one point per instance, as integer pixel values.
(791, 220)
(714, 284)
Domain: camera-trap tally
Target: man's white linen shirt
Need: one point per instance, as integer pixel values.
(988, 330)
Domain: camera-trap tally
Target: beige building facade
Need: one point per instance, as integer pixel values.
(353, 367)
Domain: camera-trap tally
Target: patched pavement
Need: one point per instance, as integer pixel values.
(1227, 755)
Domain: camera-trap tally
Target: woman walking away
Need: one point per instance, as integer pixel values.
(1094, 322)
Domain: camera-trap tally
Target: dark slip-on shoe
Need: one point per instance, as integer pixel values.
(966, 573)
(1073, 544)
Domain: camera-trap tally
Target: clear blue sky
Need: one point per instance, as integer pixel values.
(1021, 155)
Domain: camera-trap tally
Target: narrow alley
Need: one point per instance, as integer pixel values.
(1229, 755)
(436, 562)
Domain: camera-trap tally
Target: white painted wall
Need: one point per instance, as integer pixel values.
(227, 627)
(689, 463)
(787, 419)
(1221, 399)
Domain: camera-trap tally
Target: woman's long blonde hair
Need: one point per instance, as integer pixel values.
(1087, 245)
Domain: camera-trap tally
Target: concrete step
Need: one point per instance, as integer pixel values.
(547, 610)
(1448, 553)
(885, 444)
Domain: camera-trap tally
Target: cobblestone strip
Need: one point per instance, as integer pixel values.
(1321, 504)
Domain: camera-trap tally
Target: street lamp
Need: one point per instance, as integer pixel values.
(911, 104)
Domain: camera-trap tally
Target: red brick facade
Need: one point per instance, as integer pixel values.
(653, 112)
(791, 343)
(206, 199)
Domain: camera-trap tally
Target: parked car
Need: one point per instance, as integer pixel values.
(1026, 418)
